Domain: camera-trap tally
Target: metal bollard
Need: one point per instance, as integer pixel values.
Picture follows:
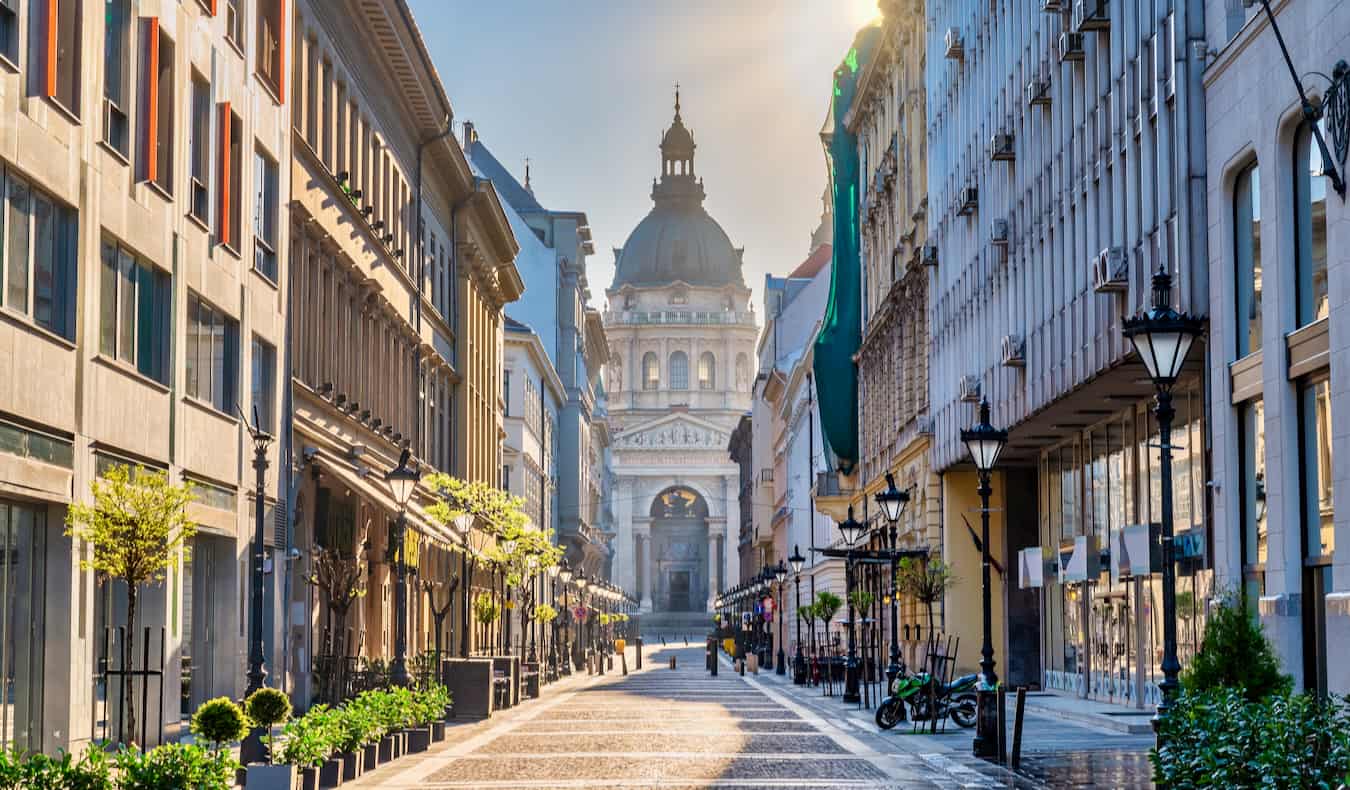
(638, 662)
(672, 662)
(1017, 727)
(623, 662)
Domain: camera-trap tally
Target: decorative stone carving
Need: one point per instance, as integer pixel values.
(680, 434)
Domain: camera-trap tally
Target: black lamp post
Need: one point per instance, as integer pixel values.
(852, 531)
(1163, 337)
(565, 576)
(257, 673)
(799, 662)
(892, 502)
(402, 480)
(985, 442)
(579, 646)
(780, 576)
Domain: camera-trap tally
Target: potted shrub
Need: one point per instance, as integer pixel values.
(437, 701)
(306, 743)
(217, 722)
(39, 771)
(175, 765)
(267, 708)
(355, 726)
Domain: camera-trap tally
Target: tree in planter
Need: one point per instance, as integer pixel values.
(219, 721)
(1235, 653)
(138, 525)
(827, 606)
(925, 581)
(268, 707)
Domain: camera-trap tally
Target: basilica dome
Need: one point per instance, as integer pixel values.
(678, 241)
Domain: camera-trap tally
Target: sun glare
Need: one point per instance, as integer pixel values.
(862, 11)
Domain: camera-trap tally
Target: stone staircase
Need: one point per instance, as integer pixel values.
(675, 625)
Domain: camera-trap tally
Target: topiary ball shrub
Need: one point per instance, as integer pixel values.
(268, 707)
(219, 721)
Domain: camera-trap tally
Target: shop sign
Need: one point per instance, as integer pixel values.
(1033, 565)
(1135, 551)
(1079, 561)
(1189, 545)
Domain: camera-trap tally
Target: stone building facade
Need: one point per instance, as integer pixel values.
(681, 336)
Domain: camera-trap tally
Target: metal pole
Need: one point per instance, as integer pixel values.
(893, 670)
(986, 739)
(1170, 665)
(851, 692)
(780, 668)
(398, 669)
(257, 674)
(798, 664)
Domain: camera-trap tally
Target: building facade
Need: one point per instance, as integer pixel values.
(1065, 167)
(134, 141)
(1279, 342)
(403, 261)
(681, 337)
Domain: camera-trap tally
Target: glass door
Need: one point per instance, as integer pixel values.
(23, 539)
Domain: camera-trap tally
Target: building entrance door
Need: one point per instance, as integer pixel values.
(23, 578)
(679, 592)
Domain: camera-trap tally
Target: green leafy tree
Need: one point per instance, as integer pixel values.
(862, 600)
(137, 524)
(926, 581)
(1235, 653)
(827, 605)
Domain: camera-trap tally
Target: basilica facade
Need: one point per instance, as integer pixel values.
(682, 344)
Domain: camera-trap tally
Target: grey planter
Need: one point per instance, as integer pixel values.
(270, 777)
(351, 765)
(437, 731)
(386, 749)
(330, 773)
(370, 757)
(419, 740)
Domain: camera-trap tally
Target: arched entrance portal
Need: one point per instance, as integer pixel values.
(679, 532)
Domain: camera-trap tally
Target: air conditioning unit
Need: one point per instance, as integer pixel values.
(928, 255)
(1070, 47)
(1014, 351)
(1091, 15)
(998, 234)
(1038, 93)
(1110, 271)
(955, 50)
(967, 201)
(969, 389)
(1001, 148)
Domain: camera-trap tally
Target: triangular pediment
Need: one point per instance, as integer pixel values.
(680, 430)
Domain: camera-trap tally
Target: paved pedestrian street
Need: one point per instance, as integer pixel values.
(682, 728)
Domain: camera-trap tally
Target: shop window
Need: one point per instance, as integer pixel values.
(1315, 447)
(38, 249)
(212, 355)
(135, 298)
(199, 150)
(23, 535)
(117, 76)
(1255, 535)
(1247, 253)
(1310, 229)
(265, 215)
(679, 371)
(264, 356)
(231, 169)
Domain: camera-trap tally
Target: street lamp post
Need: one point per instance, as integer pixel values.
(780, 575)
(852, 531)
(579, 647)
(985, 442)
(799, 662)
(892, 502)
(257, 673)
(1163, 337)
(402, 480)
(566, 576)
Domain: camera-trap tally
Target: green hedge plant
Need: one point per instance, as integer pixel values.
(62, 772)
(175, 765)
(1235, 653)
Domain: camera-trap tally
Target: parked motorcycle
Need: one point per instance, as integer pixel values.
(926, 699)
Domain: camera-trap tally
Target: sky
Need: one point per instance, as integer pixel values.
(584, 89)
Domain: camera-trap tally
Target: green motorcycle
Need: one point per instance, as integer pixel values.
(926, 699)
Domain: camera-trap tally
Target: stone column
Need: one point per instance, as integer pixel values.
(643, 556)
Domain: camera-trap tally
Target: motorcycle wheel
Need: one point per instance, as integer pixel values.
(890, 713)
(964, 710)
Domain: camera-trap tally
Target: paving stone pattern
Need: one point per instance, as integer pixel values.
(683, 729)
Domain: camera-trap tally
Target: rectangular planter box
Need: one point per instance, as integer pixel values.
(419, 740)
(330, 773)
(510, 665)
(400, 744)
(386, 752)
(437, 731)
(470, 682)
(309, 779)
(370, 757)
(351, 766)
(270, 777)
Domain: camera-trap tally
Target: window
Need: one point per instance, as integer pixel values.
(1310, 228)
(651, 371)
(506, 393)
(707, 371)
(264, 384)
(265, 215)
(228, 202)
(1252, 447)
(271, 54)
(38, 248)
(134, 312)
(679, 371)
(199, 150)
(9, 30)
(1247, 249)
(60, 53)
(234, 22)
(212, 355)
(1315, 447)
(506, 478)
(117, 75)
(157, 153)
(742, 372)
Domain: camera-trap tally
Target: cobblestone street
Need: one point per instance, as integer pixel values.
(685, 729)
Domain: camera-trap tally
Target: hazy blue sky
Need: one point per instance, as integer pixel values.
(584, 89)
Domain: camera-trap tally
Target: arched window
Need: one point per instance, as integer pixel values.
(651, 371)
(679, 371)
(1310, 228)
(707, 371)
(742, 372)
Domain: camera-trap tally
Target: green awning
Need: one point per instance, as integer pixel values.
(841, 328)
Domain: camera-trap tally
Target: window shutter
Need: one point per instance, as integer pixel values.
(214, 7)
(225, 165)
(151, 98)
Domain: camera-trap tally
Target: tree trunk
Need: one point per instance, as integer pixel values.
(128, 691)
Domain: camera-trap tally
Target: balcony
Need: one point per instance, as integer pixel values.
(681, 317)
